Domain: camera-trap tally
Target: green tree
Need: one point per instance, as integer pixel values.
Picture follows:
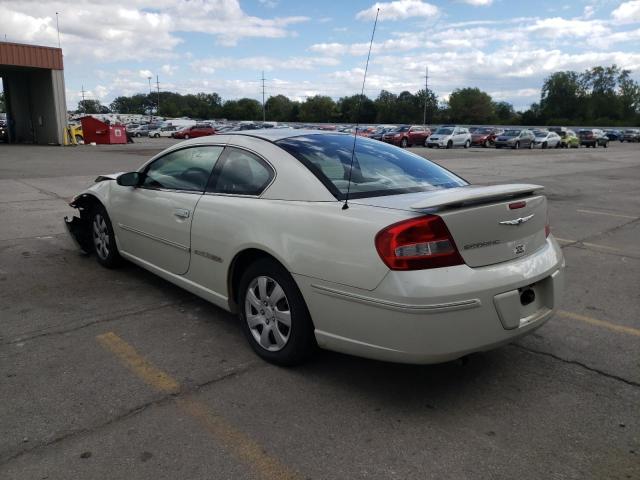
(136, 104)
(386, 106)
(471, 105)
(279, 108)
(505, 114)
(562, 97)
(432, 106)
(242, 109)
(318, 108)
(356, 109)
(2, 104)
(91, 106)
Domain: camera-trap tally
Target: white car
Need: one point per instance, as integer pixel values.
(449, 136)
(544, 139)
(418, 266)
(163, 132)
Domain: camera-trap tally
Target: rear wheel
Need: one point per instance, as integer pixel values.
(544, 145)
(404, 143)
(103, 238)
(186, 137)
(606, 144)
(449, 144)
(486, 144)
(273, 314)
(466, 144)
(517, 146)
(530, 145)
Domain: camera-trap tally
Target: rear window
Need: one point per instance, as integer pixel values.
(378, 168)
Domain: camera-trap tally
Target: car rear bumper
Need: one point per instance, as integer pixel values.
(431, 316)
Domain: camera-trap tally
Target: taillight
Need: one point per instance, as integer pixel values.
(416, 244)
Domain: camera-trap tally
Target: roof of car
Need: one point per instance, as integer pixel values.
(275, 134)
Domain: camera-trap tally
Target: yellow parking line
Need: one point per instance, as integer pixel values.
(600, 323)
(595, 245)
(591, 212)
(135, 362)
(235, 442)
(564, 240)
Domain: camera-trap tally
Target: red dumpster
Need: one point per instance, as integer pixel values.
(93, 130)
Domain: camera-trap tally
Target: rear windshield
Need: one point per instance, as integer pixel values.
(378, 168)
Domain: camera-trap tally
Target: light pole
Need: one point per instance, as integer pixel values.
(150, 105)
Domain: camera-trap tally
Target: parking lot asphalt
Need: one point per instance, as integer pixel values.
(118, 374)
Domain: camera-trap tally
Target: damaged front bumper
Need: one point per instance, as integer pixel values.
(79, 233)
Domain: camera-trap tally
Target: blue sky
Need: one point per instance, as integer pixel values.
(306, 48)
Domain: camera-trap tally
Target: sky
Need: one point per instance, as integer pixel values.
(305, 48)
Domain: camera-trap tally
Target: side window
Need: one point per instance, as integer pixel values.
(186, 169)
(241, 173)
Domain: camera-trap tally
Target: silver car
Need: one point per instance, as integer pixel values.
(378, 253)
(449, 136)
(544, 139)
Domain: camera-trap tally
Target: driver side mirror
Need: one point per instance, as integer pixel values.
(131, 179)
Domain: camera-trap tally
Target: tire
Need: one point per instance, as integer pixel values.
(449, 144)
(517, 146)
(426, 143)
(186, 137)
(466, 144)
(544, 145)
(79, 139)
(103, 238)
(282, 345)
(486, 144)
(606, 145)
(157, 135)
(530, 145)
(498, 146)
(404, 143)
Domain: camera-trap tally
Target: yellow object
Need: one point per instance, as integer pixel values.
(73, 135)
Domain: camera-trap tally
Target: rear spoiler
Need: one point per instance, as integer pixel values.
(449, 197)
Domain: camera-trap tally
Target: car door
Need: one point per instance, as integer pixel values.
(457, 137)
(225, 212)
(153, 220)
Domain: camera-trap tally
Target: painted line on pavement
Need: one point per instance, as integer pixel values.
(592, 212)
(587, 244)
(234, 441)
(600, 323)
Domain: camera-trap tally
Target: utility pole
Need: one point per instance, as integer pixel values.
(82, 95)
(150, 105)
(426, 96)
(264, 113)
(158, 87)
(58, 27)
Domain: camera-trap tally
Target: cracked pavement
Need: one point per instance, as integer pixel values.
(561, 403)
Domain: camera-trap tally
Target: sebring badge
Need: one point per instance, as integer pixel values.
(517, 221)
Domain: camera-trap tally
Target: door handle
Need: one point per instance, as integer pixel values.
(181, 212)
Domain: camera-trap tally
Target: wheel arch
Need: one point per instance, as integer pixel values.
(238, 265)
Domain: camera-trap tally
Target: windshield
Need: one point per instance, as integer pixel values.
(511, 133)
(401, 129)
(378, 168)
(483, 131)
(444, 131)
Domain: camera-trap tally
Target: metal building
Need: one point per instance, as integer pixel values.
(33, 82)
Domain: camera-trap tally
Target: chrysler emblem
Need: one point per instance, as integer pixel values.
(517, 221)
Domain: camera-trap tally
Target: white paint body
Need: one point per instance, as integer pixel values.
(358, 305)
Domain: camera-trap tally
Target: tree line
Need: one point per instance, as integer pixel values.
(598, 96)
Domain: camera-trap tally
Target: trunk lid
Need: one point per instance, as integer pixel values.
(482, 221)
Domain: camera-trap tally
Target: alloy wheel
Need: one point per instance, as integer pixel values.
(100, 235)
(267, 313)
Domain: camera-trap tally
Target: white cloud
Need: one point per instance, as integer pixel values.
(211, 65)
(145, 74)
(399, 10)
(588, 12)
(479, 3)
(627, 12)
(131, 29)
(168, 69)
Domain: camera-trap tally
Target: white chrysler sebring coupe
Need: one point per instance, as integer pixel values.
(418, 266)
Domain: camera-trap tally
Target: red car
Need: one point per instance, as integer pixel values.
(195, 131)
(484, 136)
(407, 135)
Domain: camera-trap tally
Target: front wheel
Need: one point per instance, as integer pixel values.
(544, 145)
(517, 146)
(449, 144)
(404, 143)
(486, 144)
(466, 144)
(104, 240)
(273, 314)
(186, 137)
(605, 144)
